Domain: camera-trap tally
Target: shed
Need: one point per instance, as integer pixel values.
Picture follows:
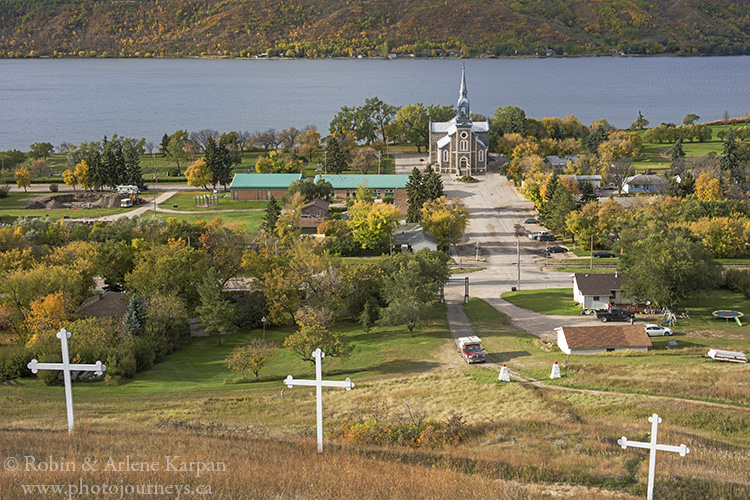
(599, 339)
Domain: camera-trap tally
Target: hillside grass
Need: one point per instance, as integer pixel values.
(524, 441)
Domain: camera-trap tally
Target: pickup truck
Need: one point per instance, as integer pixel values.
(614, 314)
(471, 349)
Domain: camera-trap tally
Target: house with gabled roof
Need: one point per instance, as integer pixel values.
(411, 237)
(600, 339)
(106, 304)
(644, 183)
(598, 290)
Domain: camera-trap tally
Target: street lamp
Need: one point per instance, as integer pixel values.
(263, 320)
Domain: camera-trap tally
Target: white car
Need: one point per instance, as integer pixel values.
(653, 330)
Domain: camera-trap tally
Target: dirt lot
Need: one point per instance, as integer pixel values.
(74, 200)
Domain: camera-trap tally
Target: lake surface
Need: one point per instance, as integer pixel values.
(76, 100)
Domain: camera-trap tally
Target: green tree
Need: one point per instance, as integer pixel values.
(164, 144)
(219, 162)
(690, 119)
(412, 125)
(177, 148)
(335, 157)
(665, 265)
(730, 160)
(311, 190)
(312, 335)
(415, 196)
(640, 122)
(135, 317)
(433, 184)
(588, 194)
(214, 310)
(676, 151)
(410, 287)
(598, 135)
(271, 215)
(558, 208)
(40, 150)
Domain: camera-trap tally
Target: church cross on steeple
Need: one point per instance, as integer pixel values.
(462, 107)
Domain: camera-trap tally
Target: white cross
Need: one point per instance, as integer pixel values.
(319, 383)
(66, 368)
(653, 446)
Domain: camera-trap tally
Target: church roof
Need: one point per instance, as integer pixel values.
(444, 141)
(449, 127)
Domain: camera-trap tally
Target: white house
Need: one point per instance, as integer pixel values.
(644, 183)
(598, 290)
(599, 339)
(595, 180)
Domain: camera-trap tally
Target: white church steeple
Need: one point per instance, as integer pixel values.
(462, 107)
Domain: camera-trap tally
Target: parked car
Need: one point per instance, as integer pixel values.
(545, 237)
(530, 220)
(614, 314)
(556, 249)
(535, 236)
(654, 330)
(471, 349)
(602, 254)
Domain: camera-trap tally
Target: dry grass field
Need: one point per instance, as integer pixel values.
(522, 440)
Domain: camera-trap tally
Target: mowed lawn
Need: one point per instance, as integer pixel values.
(547, 301)
(195, 383)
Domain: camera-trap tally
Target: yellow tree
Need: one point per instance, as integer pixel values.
(446, 219)
(69, 178)
(82, 174)
(620, 144)
(199, 174)
(372, 223)
(45, 316)
(708, 188)
(23, 178)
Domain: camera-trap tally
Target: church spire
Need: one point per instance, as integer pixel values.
(462, 107)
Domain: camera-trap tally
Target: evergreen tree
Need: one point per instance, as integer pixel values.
(132, 163)
(587, 193)
(135, 317)
(164, 144)
(676, 152)
(595, 138)
(433, 185)
(219, 161)
(335, 157)
(558, 208)
(273, 210)
(415, 195)
(730, 160)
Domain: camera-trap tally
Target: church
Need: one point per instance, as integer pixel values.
(460, 146)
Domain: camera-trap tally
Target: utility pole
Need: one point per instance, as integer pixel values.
(518, 261)
(591, 266)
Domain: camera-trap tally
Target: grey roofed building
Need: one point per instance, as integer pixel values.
(412, 237)
(597, 290)
(644, 183)
(104, 305)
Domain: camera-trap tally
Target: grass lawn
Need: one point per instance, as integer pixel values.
(252, 220)
(546, 301)
(185, 200)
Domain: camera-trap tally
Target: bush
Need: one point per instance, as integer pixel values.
(13, 362)
(738, 280)
(248, 308)
(53, 187)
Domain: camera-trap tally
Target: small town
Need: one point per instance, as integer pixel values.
(421, 301)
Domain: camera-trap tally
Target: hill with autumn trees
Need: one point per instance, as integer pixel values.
(316, 28)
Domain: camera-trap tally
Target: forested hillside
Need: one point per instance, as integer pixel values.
(318, 28)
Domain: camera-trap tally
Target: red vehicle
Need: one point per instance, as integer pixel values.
(471, 349)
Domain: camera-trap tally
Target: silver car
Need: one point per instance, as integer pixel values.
(653, 330)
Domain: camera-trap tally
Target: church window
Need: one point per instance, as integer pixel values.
(464, 145)
(481, 155)
(445, 155)
(464, 135)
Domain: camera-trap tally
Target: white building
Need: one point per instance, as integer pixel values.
(599, 339)
(598, 290)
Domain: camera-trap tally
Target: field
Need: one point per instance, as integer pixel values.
(525, 440)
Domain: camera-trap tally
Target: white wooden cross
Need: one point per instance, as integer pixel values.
(319, 383)
(653, 446)
(66, 368)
